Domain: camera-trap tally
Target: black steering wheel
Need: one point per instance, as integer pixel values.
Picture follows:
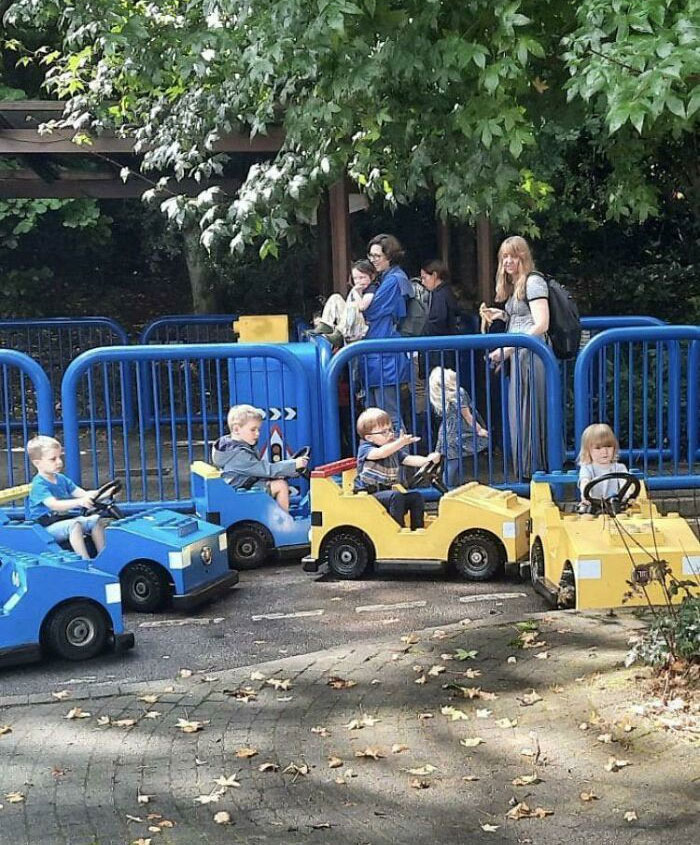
(429, 473)
(304, 452)
(103, 500)
(619, 501)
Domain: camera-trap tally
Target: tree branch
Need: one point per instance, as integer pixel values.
(614, 61)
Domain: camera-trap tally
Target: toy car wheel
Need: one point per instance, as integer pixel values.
(537, 561)
(348, 554)
(248, 546)
(144, 588)
(476, 556)
(77, 631)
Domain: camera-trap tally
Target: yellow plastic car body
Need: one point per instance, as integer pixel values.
(477, 529)
(589, 562)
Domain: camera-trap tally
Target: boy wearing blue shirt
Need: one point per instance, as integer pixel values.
(380, 456)
(54, 499)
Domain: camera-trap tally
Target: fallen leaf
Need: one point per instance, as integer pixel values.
(472, 673)
(471, 742)
(185, 673)
(246, 753)
(470, 777)
(320, 730)
(410, 639)
(279, 684)
(557, 688)
(103, 721)
(334, 762)
(141, 841)
(131, 818)
(463, 654)
(484, 713)
(212, 798)
(525, 780)
(630, 816)
(244, 694)
(372, 753)
(143, 799)
(420, 783)
(511, 659)
(58, 772)
(489, 828)
(523, 811)
(420, 680)
(210, 679)
(77, 713)
(268, 767)
(224, 780)
(588, 796)
(606, 738)
(5, 729)
(584, 726)
(434, 671)
(397, 749)
(362, 722)
(124, 723)
(164, 823)
(190, 727)
(454, 713)
(528, 752)
(61, 695)
(543, 655)
(150, 698)
(529, 699)
(507, 723)
(15, 797)
(424, 716)
(154, 829)
(222, 817)
(284, 698)
(296, 770)
(447, 656)
(257, 676)
(152, 714)
(340, 683)
(614, 765)
(320, 826)
(423, 770)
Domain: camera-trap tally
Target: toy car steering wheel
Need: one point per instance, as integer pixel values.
(103, 500)
(429, 473)
(618, 501)
(304, 452)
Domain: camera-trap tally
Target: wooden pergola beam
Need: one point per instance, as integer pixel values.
(23, 183)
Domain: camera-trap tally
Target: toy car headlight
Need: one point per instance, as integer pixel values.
(206, 555)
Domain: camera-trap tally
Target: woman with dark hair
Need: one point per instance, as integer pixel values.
(442, 304)
(384, 373)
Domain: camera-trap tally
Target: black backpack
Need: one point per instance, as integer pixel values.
(564, 321)
(416, 319)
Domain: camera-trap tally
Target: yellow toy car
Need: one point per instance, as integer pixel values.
(591, 561)
(475, 532)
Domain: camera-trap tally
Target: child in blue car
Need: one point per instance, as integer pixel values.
(380, 456)
(55, 500)
(598, 457)
(235, 454)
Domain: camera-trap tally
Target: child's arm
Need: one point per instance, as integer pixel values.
(419, 460)
(377, 453)
(365, 301)
(469, 420)
(258, 467)
(585, 474)
(82, 500)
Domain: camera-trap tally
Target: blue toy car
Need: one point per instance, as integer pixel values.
(256, 526)
(160, 556)
(57, 603)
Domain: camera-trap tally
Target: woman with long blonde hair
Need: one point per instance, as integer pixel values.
(525, 294)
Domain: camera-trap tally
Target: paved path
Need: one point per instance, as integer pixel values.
(352, 745)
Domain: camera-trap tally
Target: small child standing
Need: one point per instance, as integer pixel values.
(54, 498)
(235, 454)
(463, 438)
(380, 456)
(597, 457)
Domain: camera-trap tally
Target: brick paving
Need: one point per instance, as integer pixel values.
(90, 781)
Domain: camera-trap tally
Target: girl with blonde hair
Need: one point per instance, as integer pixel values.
(460, 434)
(526, 310)
(597, 457)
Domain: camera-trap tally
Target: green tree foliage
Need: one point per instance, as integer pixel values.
(481, 103)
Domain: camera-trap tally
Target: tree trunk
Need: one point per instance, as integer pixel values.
(202, 279)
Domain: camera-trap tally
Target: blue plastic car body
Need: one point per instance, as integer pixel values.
(159, 556)
(255, 524)
(57, 602)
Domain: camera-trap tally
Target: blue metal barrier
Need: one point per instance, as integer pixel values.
(154, 455)
(643, 381)
(502, 463)
(26, 409)
(54, 342)
(190, 328)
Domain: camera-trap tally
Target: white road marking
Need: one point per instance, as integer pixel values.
(492, 597)
(402, 605)
(298, 615)
(179, 623)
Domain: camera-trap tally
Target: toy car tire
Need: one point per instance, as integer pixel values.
(77, 631)
(144, 588)
(536, 561)
(476, 556)
(348, 554)
(248, 546)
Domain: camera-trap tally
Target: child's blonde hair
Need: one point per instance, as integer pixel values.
(370, 419)
(240, 414)
(39, 445)
(598, 434)
(442, 381)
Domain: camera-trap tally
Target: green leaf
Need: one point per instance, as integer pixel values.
(675, 105)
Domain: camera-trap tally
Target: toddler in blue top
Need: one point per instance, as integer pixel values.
(54, 499)
(598, 457)
(380, 456)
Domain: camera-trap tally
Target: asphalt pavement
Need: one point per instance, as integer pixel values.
(280, 611)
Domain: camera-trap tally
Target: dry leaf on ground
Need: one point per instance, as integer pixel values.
(15, 797)
(420, 783)
(185, 673)
(268, 767)
(227, 780)
(472, 673)
(188, 726)
(428, 769)
(279, 683)
(362, 722)
(257, 676)
(434, 671)
(77, 713)
(523, 811)
(212, 798)
(470, 777)
(320, 730)
(372, 753)
(489, 828)
(543, 655)
(152, 714)
(525, 780)
(246, 753)
(614, 765)
(124, 723)
(5, 729)
(454, 713)
(61, 695)
(588, 796)
(630, 816)
(483, 713)
(340, 683)
(420, 680)
(222, 817)
(507, 723)
(397, 748)
(296, 770)
(529, 699)
(149, 698)
(471, 741)
(334, 762)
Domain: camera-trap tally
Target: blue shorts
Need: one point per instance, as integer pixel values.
(60, 531)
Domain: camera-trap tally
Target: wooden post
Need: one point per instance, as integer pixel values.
(443, 237)
(485, 269)
(325, 262)
(340, 234)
